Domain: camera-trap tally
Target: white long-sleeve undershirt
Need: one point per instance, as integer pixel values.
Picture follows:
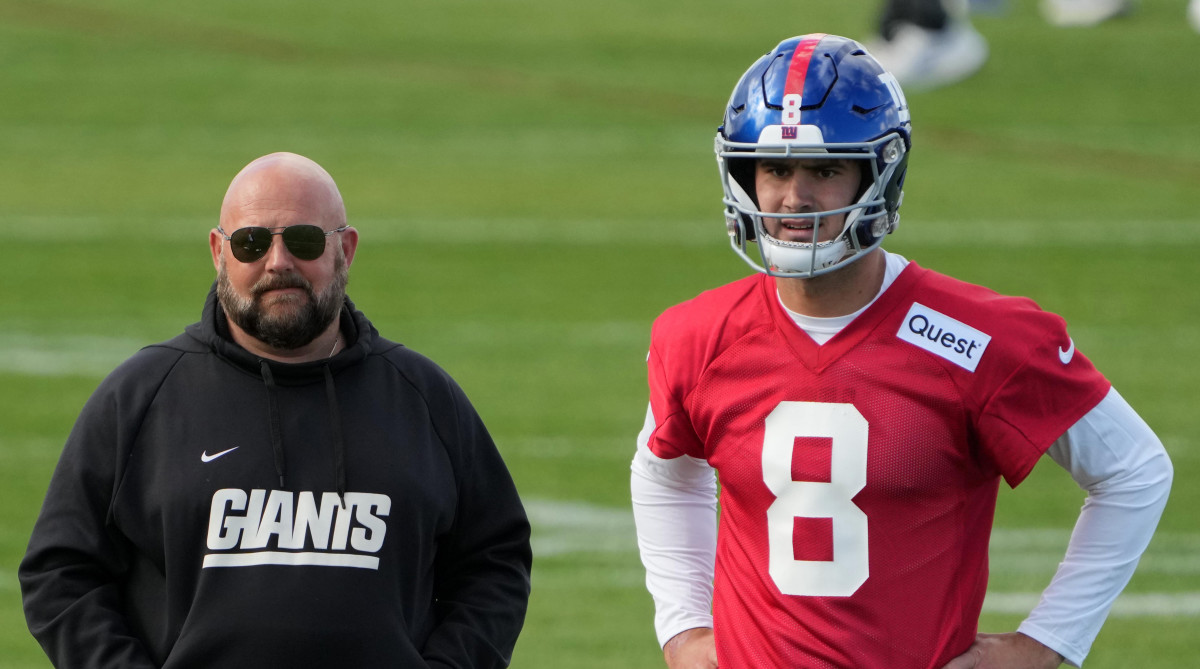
(675, 511)
(1118, 460)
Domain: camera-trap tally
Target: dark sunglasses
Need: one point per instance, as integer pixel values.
(306, 242)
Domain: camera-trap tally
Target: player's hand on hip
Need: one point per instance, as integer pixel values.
(1006, 651)
(691, 649)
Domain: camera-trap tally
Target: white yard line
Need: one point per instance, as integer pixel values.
(564, 528)
(1128, 605)
(64, 355)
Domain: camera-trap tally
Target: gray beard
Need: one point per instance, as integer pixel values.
(287, 328)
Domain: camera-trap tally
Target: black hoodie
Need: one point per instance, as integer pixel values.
(212, 509)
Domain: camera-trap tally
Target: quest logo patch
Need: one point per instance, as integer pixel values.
(943, 336)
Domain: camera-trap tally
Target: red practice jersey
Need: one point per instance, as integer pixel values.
(859, 478)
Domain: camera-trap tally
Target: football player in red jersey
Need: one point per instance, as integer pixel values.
(860, 411)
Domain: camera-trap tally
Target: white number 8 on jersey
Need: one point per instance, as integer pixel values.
(846, 427)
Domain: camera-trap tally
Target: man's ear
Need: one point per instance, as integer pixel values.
(349, 241)
(214, 243)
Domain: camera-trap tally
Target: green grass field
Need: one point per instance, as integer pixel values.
(533, 182)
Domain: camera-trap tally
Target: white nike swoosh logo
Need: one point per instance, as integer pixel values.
(1065, 356)
(205, 457)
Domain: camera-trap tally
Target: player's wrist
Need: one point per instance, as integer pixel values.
(1045, 655)
(685, 636)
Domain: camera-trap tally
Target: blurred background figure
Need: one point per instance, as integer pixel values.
(1071, 13)
(932, 43)
(928, 43)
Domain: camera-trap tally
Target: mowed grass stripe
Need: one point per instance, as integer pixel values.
(914, 232)
(567, 527)
(1128, 605)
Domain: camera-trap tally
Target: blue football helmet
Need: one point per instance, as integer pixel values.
(814, 96)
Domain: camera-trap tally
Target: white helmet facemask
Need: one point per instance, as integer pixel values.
(785, 258)
(807, 259)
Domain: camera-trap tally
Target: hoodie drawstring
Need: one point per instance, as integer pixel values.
(276, 431)
(335, 420)
(339, 446)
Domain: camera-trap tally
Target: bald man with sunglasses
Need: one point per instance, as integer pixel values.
(279, 485)
(282, 298)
